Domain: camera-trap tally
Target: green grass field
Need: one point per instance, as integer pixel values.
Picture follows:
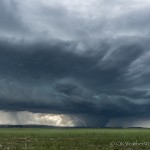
(74, 139)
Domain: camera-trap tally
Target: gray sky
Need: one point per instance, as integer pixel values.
(88, 59)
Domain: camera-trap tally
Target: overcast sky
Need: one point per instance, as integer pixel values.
(83, 61)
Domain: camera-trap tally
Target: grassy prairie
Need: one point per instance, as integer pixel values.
(74, 139)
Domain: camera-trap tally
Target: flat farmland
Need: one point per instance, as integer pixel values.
(74, 139)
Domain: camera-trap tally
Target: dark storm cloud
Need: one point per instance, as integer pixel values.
(42, 77)
(67, 59)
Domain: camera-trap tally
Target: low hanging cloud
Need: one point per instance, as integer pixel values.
(86, 60)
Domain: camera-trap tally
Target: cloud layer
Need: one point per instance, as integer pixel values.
(89, 59)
